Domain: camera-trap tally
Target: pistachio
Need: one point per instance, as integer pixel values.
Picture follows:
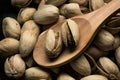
(81, 65)
(80, 2)
(29, 35)
(117, 55)
(114, 23)
(104, 40)
(47, 14)
(95, 52)
(37, 1)
(108, 68)
(95, 4)
(61, 18)
(70, 33)
(116, 42)
(14, 66)
(9, 47)
(53, 43)
(65, 76)
(25, 14)
(70, 10)
(11, 28)
(21, 3)
(94, 77)
(36, 73)
(56, 2)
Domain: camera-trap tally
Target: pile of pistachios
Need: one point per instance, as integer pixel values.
(100, 61)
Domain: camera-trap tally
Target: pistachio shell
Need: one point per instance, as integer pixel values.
(37, 1)
(115, 22)
(21, 3)
(70, 33)
(70, 10)
(80, 2)
(29, 34)
(109, 67)
(25, 14)
(95, 52)
(65, 76)
(116, 42)
(104, 40)
(94, 77)
(9, 47)
(14, 66)
(53, 43)
(47, 14)
(95, 4)
(36, 73)
(81, 65)
(56, 2)
(11, 28)
(117, 55)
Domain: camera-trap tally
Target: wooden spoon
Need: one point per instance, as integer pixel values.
(88, 26)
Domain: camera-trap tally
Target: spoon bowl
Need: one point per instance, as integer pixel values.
(88, 25)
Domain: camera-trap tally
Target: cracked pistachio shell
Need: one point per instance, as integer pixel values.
(53, 43)
(81, 66)
(70, 10)
(65, 76)
(55, 2)
(95, 4)
(29, 34)
(9, 46)
(94, 77)
(25, 14)
(11, 28)
(104, 40)
(109, 68)
(21, 3)
(70, 33)
(36, 73)
(14, 66)
(117, 55)
(80, 2)
(47, 14)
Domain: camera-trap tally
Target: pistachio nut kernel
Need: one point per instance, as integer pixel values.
(70, 33)
(53, 43)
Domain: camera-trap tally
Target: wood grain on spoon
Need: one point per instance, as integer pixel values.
(88, 25)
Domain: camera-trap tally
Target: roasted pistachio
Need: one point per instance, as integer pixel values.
(20, 3)
(94, 77)
(29, 35)
(70, 33)
(80, 2)
(104, 40)
(9, 47)
(11, 28)
(65, 76)
(117, 55)
(95, 4)
(108, 68)
(36, 73)
(70, 10)
(56, 2)
(81, 65)
(95, 52)
(14, 66)
(47, 14)
(53, 43)
(25, 14)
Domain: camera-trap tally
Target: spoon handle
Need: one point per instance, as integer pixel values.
(98, 16)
